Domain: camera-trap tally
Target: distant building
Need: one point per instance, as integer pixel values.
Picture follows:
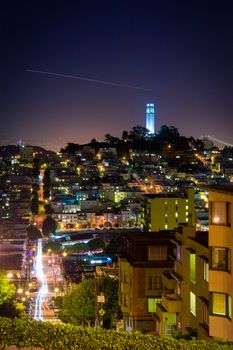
(150, 117)
(168, 211)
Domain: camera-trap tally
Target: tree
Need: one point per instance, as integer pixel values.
(96, 243)
(49, 226)
(7, 289)
(125, 135)
(33, 233)
(9, 307)
(47, 184)
(78, 248)
(34, 203)
(78, 307)
(139, 132)
(111, 139)
(113, 248)
(109, 287)
(48, 209)
(35, 168)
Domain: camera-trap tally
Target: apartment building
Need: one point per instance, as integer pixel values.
(168, 211)
(145, 257)
(184, 307)
(194, 298)
(221, 261)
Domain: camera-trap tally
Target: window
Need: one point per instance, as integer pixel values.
(220, 213)
(169, 329)
(178, 252)
(221, 304)
(154, 282)
(192, 267)
(206, 272)
(156, 253)
(178, 288)
(229, 299)
(126, 277)
(193, 303)
(205, 314)
(157, 282)
(220, 258)
(126, 300)
(152, 302)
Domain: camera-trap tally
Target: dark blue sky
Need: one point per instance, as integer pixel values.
(181, 50)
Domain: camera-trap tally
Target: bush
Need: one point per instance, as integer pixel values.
(28, 333)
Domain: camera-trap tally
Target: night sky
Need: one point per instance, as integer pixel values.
(181, 51)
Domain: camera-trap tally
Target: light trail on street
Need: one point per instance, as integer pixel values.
(43, 292)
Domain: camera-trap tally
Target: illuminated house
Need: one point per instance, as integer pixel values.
(143, 261)
(194, 270)
(221, 262)
(168, 211)
(184, 306)
(150, 117)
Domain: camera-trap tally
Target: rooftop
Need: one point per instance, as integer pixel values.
(226, 189)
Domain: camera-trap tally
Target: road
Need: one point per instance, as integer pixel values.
(43, 291)
(47, 272)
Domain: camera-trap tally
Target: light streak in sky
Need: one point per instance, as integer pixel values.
(87, 79)
(38, 314)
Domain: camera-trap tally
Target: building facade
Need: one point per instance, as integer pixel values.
(221, 261)
(168, 211)
(150, 117)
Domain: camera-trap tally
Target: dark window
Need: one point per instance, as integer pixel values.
(220, 258)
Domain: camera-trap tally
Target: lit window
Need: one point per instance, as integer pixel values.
(178, 252)
(192, 267)
(193, 303)
(220, 258)
(169, 329)
(152, 302)
(206, 272)
(221, 304)
(229, 306)
(220, 213)
(126, 300)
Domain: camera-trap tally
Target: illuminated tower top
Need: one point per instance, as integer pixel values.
(150, 117)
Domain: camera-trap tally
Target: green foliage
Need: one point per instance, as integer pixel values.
(109, 287)
(9, 307)
(77, 248)
(28, 333)
(7, 289)
(78, 307)
(33, 233)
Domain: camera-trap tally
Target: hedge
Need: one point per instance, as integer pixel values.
(29, 333)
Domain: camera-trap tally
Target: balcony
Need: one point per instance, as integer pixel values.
(172, 302)
(169, 282)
